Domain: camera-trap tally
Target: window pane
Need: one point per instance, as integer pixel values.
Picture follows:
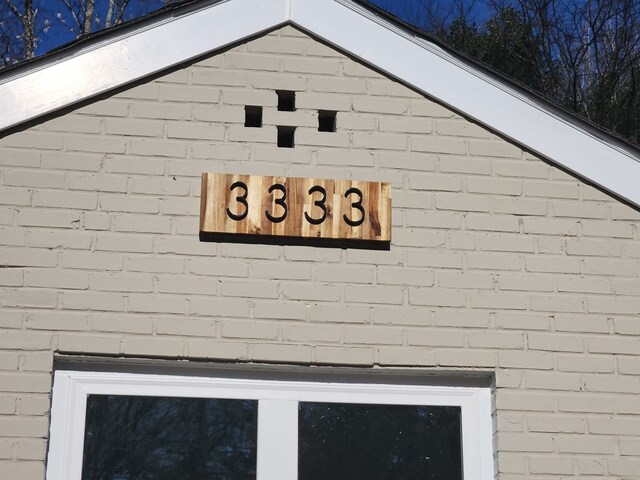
(157, 438)
(378, 442)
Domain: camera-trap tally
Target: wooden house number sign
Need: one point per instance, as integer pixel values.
(289, 207)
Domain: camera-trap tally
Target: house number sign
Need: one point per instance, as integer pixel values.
(295, 207)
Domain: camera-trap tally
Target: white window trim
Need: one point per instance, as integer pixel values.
(277, 413)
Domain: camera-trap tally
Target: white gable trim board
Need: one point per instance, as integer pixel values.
(40, 89)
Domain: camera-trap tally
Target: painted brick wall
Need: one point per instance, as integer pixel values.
(499, 262)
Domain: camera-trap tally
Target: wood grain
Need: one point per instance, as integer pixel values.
(219, 203)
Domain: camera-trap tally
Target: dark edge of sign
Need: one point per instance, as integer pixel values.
(296, 241)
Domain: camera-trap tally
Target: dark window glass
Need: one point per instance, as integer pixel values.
(378, 442)
(157, 438)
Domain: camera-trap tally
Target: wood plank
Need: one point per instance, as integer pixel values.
(250, 209)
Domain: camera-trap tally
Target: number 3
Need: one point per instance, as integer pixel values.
(318, 203)
(357, 205)
(240, 199)
(279, 201)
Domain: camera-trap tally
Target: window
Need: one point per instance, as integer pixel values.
(120, 426)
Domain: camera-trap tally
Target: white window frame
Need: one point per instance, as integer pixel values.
(277, 413)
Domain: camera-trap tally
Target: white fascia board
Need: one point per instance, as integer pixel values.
(438, 74)
(116, 62)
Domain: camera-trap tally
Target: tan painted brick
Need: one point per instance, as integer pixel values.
(39, 140)
(406, 356)
(494, 186)
(557, 303)
(218, 307)
(23, 257)
(468, 165)
(423, 218)
(555, 423)
(613, 305)
(520, 206)
(585, 444)
(87, 300)
(498, 300)
(217, 350)
(625, 286)
(585, 363)
(20, 158)
(343, 355)
(121, 282)
(555, 342)
(525, 401)
(552, 190)
(56, 321)
(552, 264)
(373, 294)
(466, 358)
(496, 340)
(494, 149)
(598, 228)
(151, 303)
(23, 382)
(140, 128)
(446, 145)
(601, 266)
(462, 318)
(338, 313)
(154, 346)
(380, 105)
(611, 384)
(626, 467)
(310, 333)
(198, 327)
(142, 224)
(11, 277)
(72, 161)
(350, 274)
(117, 323)
(311, 136)
(32, 449)
(436, 338)
(462, 202)
(551, 465)
(37, 179)
(281, 352)
(493, 261)
(98, 183)
(607, 344)
(32, 297)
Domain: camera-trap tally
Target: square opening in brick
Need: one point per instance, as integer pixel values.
(285, 137)
(286, 100)
(326, 121)
(252, 116)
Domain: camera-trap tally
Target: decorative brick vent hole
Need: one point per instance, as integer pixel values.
(285, 136)
(326, 121)
(252, 116)
(286, 100)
